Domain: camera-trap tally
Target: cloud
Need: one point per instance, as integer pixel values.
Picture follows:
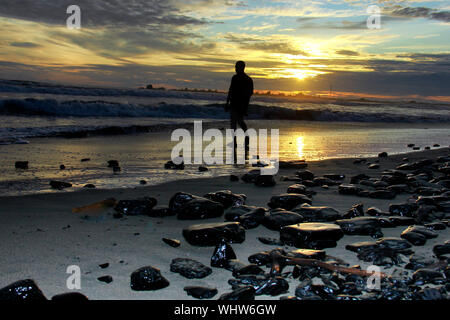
(264, 44)
(347, 53)
(420, 12)
(24, 44)
(100, 13)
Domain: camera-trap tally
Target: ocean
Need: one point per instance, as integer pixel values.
(49, 125)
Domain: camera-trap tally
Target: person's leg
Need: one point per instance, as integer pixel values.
(233, 119)
(242, 123)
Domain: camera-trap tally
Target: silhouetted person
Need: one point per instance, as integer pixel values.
(241, 89)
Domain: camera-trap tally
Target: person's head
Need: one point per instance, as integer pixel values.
(240, 67)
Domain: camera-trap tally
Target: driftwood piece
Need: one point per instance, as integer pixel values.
(279, 261)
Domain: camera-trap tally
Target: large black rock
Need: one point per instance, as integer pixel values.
(277, 218)
(311, 235)
(190, 268)
(262, 284)
(227, 198)
(211, 234)
(179, 199)
(317, 214)
(244, 293)
(70, 297)
(441, 249)
(148, 278)
(200, 208)
(141, 206)
(288, 201)
(252, 219)
(384, 251)
(200, 292)
(361, 226)
(22, 290)
(233, 213)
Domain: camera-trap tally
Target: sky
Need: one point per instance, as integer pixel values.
(288, 45)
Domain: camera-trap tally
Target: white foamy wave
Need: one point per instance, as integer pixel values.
(78, 108)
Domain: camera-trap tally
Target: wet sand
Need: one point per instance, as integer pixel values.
(41, 237)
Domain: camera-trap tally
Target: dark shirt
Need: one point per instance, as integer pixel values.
(241, 89)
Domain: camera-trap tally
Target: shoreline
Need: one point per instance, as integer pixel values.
(412, 155)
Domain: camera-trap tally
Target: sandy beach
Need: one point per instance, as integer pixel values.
(41, 236)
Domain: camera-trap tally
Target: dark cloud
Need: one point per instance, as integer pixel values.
(307, 23)
(347, 53)
(99, 13)
(419, 12)
(132, 41)
(24, 44)
(272, 46)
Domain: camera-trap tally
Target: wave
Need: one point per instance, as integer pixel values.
(78, 108)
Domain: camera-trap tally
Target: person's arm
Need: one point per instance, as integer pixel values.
(227, 105)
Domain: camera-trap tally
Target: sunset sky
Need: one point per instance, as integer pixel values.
(288, 45)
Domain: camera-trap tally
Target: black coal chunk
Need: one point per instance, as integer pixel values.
(385, 251)
(172, 165)
(244, 293)
(106, 279)
(401, 221)
(233, 213)
(199, 292)
(277, 218)
(59, 185)
(356, 210)
(265, 181)
(148, 278)
(141, 206)
(361, 226)
(383, 194)
(222, 254)
(227, 198)
(305, 175)
(262, 284)
(375, 212)
(172, 242)
(160, 212)
(200, 208)
(288, 201)
(441, 249)
(21, 165)
(307, 254)
(113, 163)
(424, 275)
(251, 269)
(311, 235)
(210, 234)
(70, 297)
(252, 219)
(348, 189)
(22, 290)
(403, 209)
(270, 241)
(418, 235)
(317, 214)
(190, 268)
(251, 176)
(300, 189)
